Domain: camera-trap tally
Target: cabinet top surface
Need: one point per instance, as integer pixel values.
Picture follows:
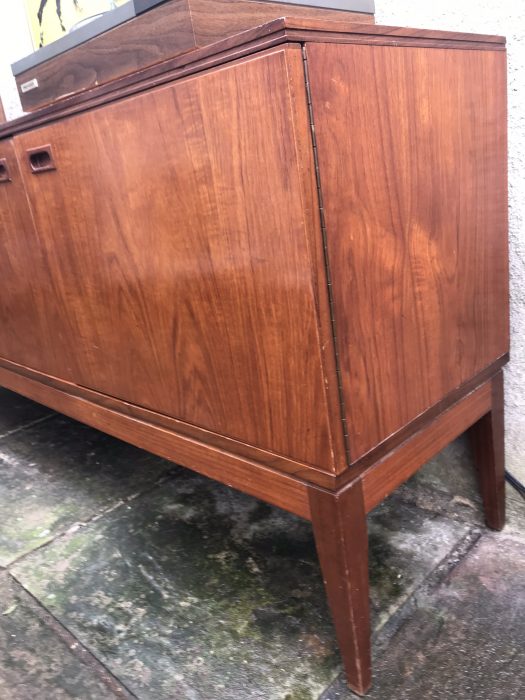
(278, 31)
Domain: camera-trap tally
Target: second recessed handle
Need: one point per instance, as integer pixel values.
(41, 159)
(4, 171)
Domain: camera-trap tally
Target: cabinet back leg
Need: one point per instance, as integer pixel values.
(487, 439)
(341, 537)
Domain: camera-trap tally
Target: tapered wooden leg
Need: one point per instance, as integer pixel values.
(341, 537)
(487, 437)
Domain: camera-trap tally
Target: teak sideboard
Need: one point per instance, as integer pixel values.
(280, 261)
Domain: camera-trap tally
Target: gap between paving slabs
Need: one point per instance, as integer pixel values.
(39, 658)
(59, 472)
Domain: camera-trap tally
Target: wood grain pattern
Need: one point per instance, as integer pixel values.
(342, 26)
(170, 29)
(487, 437)
(274, 461)
(416, 215)
(258, 38)
(215, 19)
(341, 538)
(23, 328)
(279, 489)
(423, 420)
(174, 230)
(148, 39)
(334, 37)
(387, 474)
(190, 63)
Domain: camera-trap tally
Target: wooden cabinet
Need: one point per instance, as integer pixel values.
(175, 230)
(282, 264)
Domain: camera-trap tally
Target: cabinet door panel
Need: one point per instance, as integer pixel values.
(23, 306)
(416, 215)
(175, 226)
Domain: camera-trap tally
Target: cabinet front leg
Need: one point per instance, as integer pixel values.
(487, 439)
(341, 538)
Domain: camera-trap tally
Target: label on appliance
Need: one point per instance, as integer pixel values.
(30, 85)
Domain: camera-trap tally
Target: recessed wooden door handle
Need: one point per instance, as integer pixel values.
(41, 159)
(4, 171)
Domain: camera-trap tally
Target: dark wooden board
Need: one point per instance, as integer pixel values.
(155, 36)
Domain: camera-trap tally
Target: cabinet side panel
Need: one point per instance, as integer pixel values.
(174, 228)
(412, 155)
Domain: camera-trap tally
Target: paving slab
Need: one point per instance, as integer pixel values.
(406, 545)
(57, 472)
(34, 662)
(465, 639)
(447, 484)
(194, 591)
(17, 411)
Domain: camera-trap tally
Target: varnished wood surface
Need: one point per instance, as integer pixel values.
(341, 538)
(274, 461)
(145, 40)
(384, 476)
(184, 65)
(423, 420)
(416, 215)
(487, 437)
(215, 19)
(299, 470)
(155, 36)
(344, 27)
(23, 308)
(175, 232)
(334, 37)
(270, 34)
(251, 478)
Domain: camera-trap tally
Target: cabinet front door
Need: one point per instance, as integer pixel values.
(25, 307)
(179, 231)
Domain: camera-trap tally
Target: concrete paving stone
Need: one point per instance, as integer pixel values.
(35, 664)
(406, 545)
(17, 411)
(58, 472)
(452, 471)
(464, 639)
(447, 484)
(197, 592)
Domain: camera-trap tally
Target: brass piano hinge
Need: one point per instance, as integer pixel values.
(326, 257)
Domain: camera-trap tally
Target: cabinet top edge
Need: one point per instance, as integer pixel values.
(348, 27)
(278, 31)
